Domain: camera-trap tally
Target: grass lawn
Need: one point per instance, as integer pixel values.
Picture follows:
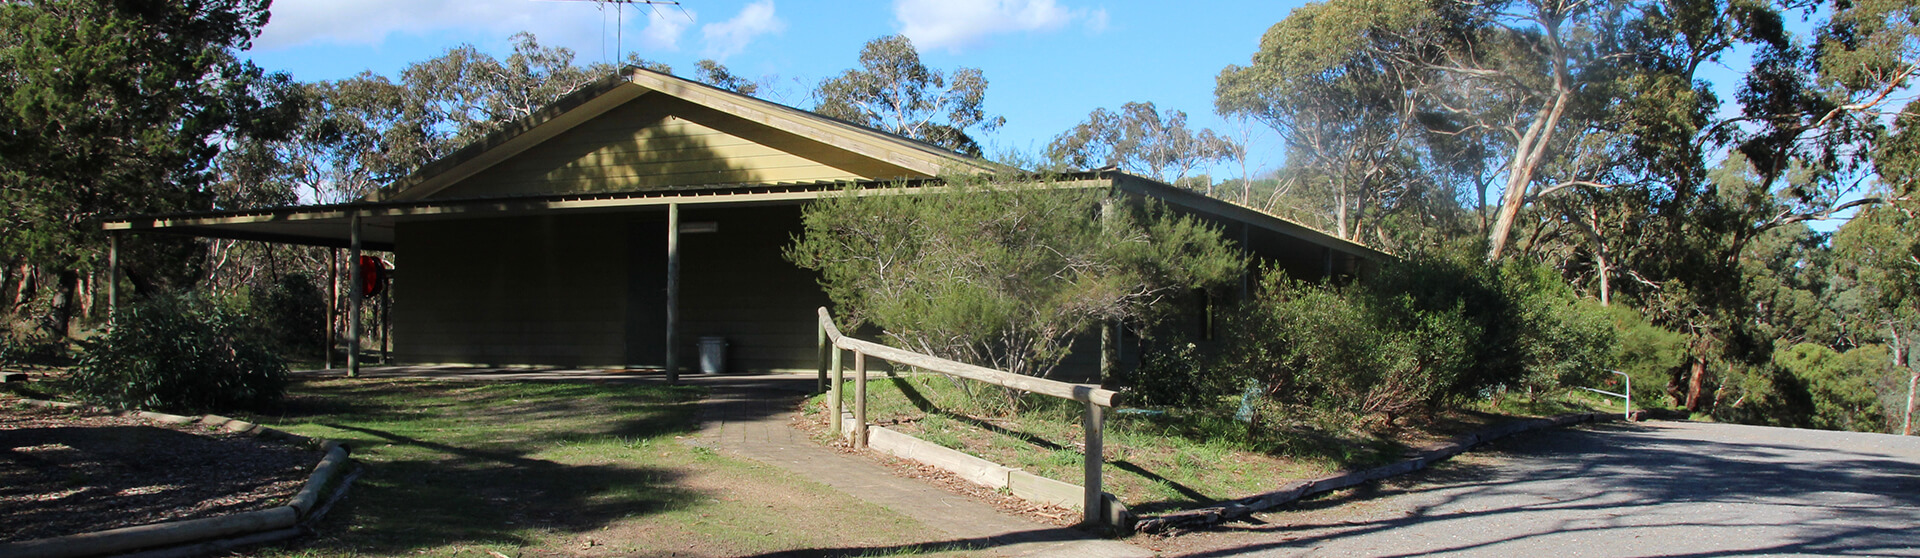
(563, 469)
(1156, 461)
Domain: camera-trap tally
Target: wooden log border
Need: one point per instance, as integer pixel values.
(1241, 508)
(194, 537)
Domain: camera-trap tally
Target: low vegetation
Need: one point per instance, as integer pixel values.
(180, 354)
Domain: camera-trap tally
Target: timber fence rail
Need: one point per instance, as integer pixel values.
(1097, 400)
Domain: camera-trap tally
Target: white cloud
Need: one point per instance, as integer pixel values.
(952, 24)
(301, 22)
(729, 37)
(664, 28)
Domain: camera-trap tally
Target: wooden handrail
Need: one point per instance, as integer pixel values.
(1084, 393)
(1093, 507)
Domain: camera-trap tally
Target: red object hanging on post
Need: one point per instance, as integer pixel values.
(373, 273)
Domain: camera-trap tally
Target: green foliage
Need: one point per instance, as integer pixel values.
(1424, 331)
(893, 91)
(182, 354)
(1140, 139)
(113, 108)
(1003, 275)
(1651, 355)
(293, 313)
(1844, 389)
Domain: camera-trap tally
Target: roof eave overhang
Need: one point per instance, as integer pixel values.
(1196, 201)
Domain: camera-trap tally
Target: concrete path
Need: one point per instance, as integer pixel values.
(749, 416)
(1647, 489)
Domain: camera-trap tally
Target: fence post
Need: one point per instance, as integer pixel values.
(837, 395)
(821, 339)
(1092, 512)
(859, 400)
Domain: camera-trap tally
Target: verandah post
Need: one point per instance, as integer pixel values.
(333, 302)
(113, 277)
(673, 292)
(356, 281)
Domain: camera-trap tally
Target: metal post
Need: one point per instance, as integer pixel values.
(113, 277)
(333, 301)
(1092, 512)
(356, 281)
(836, 396)
(673, 292)
(859, 400)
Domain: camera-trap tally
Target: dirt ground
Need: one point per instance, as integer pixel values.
(64, 472)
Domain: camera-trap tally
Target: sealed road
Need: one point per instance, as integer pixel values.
(1646, 489)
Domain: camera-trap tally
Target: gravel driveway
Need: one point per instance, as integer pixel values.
(1648, 489)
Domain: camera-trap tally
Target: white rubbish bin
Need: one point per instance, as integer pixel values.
(713, 355)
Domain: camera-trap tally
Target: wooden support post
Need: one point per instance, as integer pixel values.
(356, 280)
(1093, 513)
(333, 301)
(859, 400)
(820, 338)
(836, 395)
(113, 277)
(673, 293)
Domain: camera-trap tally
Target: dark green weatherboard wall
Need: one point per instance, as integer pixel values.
(589, 289)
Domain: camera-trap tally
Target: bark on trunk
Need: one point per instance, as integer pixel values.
(62, 311)
(23, 291)
(1696, 380)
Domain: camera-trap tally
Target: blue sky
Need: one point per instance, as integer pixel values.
(1048, 62)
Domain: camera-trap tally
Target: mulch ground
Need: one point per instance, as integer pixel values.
(64, 472)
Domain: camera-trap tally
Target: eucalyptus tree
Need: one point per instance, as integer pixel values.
(893, 91)
(714, 74)
(1332, 80)
(1142, 139)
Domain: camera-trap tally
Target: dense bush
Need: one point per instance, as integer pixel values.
(1843, 389)
(29, 348)
(183, 354)
(1419, 333)
(293, 311)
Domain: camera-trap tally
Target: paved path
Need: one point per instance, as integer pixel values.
(1647, 489)
(749, 416)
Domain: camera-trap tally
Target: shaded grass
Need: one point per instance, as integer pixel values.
(463, 468)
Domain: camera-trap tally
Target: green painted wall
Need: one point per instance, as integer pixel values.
(546, 290)
(589, 290)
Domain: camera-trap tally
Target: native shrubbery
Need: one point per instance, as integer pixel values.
(180, 353)
(1005, 274)
(1420, 333)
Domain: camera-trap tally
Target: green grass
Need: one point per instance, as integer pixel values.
(1154, 462)
(467, 468)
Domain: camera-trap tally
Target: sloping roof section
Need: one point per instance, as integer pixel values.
(642, 130)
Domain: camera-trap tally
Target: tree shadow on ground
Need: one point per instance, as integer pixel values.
(1842, 503)
(471, 462)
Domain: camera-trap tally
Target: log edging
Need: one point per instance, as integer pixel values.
(1296, 490)
(193, 537)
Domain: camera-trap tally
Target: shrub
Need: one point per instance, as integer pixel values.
(1004, 274)
(293, 312)
(181, 354)
(1422, 331)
